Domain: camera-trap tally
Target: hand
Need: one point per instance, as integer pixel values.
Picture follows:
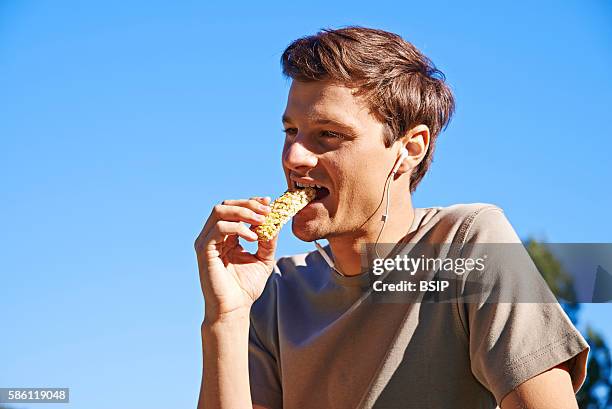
(232, 278)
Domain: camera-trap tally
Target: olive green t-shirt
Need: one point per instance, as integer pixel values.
(320, 340)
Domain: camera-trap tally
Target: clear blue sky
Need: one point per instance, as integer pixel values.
(123, 123)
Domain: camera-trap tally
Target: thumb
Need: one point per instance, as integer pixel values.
(267, 249)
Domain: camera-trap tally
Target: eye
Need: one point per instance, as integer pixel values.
(290, 131)
(331, 134)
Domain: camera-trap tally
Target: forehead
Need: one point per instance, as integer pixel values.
(310, 101)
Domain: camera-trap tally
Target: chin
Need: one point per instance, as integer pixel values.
(305, 233)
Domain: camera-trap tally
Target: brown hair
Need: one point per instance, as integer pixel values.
(402, 86)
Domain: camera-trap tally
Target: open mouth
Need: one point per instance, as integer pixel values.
(322, 191)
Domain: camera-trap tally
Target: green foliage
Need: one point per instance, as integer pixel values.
(596, 392)
(559, 281)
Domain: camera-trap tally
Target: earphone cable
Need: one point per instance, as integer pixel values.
(386, 214)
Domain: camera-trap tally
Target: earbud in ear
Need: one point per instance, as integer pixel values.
(400, 159)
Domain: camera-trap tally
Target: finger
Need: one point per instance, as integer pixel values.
(263, 199)
(225, 228)
(252, 203)
(230, 243)
(219, 212)
(266, 249)
(234, 213)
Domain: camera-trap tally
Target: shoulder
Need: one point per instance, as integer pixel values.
(464, 213)
(292, 275)
(301, 269)
(464, 222)
(295, 281)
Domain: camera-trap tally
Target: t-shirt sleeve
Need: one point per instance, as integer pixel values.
(516, 328)
(264, 376)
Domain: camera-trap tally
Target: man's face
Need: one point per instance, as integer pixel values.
(333, 141)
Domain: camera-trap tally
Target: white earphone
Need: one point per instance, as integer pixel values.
(403, 155)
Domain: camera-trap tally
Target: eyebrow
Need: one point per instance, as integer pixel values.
(325, 121)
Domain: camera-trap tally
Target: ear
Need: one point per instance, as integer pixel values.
(416, 142)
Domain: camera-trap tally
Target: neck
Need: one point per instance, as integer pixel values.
(347, 249)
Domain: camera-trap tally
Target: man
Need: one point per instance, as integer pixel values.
(303, 331)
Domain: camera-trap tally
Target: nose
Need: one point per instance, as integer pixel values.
(298, 158)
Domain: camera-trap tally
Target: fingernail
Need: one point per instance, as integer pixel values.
(260, 217)
(265, 208)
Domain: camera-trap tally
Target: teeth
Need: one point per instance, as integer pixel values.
(298, 184)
